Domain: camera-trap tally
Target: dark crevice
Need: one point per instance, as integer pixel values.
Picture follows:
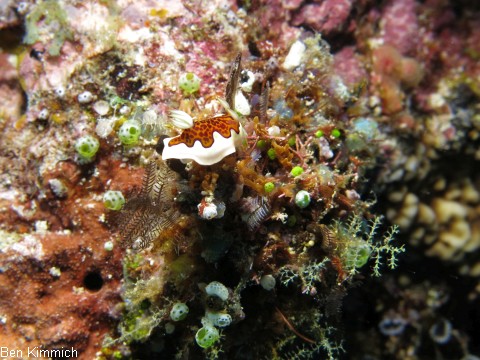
(93, 281)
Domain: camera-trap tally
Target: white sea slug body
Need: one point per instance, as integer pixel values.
(207, 141)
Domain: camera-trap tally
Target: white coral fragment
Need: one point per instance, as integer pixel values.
(295, 55)
(209, 209)
(241, 104)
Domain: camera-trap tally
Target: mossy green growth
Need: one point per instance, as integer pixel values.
(87, 147)
(268, 187)
(113, 200)
(55, 22)
(319, 134)
(292, 141)
(207, 336)
(181, 268)
(355, 142)
(138, 325)
(129, 132)
(189, 83)
(133, 262)
(272, 155)
(296, 171)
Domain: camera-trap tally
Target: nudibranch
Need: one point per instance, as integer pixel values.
(205, 141)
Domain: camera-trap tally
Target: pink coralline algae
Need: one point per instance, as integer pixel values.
(291, 4)
(399, 25)
(325, 16)
(348, 66)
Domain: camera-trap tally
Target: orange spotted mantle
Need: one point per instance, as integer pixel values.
(203, 131)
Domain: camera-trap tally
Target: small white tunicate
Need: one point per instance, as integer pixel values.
(220, 209)
(352, 194)
(169, 328)
(392, 326)
(207, 211)
(302, 199)
(124, 110)
(105, 126)
(55, 272)
(268, 282)
(179, 311)
(274, 130)
(152, 125)
(211, 209)
(22, 7)
(217, 289)
(441, 331)
(231, 17)
(108, 246)
(247, 79)
(41, 226)
(149, 117)
(339, 88)
(137, 244)
(60, 91)
(324, 148)
(219, 319)
(58, 187)
(43, 114)
(85, 97)
(101, 107)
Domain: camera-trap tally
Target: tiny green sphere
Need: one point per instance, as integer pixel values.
(269, 186)
(129, 132)
(179, 311)
(292, 141)
(261, 144)
(336, 133)
(272, 155)
(207, 336)
(302, 199)
(113, 200)
(87, 146)
(319, 134)
(357, 255)
(296, 171)
(189, 83)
